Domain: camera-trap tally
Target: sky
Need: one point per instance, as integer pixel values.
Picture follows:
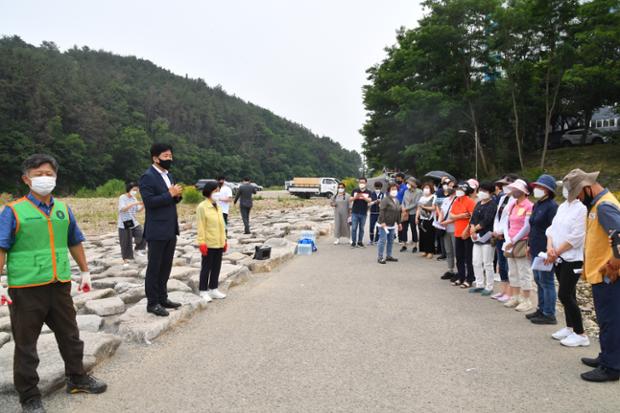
(305, 60)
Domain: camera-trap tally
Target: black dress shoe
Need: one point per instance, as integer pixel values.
(33, 406)
(85, 384)
(441, 258)
(535, 314)
(594, 363)
(447, 276)
(391, 259)
(170, 304)
(158, 310)
(600, 375)
(544, 319)
(414, 250)
(381, 261)
(403, 249)
(361, 245)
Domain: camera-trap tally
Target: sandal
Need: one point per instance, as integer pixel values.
(465, 285)
(456, 283)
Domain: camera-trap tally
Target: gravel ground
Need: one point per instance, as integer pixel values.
(337, 332)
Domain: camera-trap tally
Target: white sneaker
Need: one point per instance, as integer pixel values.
(526, 305)
(513, 302)
(216, 294)
(337, 241)
(205, 296)
(576, 340)
(562, 333)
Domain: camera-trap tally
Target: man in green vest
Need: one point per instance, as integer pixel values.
(37, 235)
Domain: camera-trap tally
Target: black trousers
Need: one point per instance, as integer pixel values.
(410, 223)
(245, 216)
(567, 293)
(427, 236)
(50, 304)
(210, 269)
(126, 236)
(225, 218)
(161, 254)
(464, 263)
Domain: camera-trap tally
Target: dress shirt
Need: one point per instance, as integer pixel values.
(164, 174)
(569, 225)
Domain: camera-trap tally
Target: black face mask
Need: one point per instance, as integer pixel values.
(587, 199)
(165, 163)
(220, 184)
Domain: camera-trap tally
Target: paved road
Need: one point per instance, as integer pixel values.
(337, 332)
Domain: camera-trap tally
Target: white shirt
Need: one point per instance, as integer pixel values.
(225, 192)
(500, 224)
(569, 225)
(123, 201)
(164, 174)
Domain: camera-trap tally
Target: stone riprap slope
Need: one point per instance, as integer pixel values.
(115, 310)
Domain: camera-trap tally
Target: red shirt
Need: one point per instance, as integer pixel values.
(462, 205)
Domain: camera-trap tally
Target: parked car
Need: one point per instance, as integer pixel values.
(575, 137)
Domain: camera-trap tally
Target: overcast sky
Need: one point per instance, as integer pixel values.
(304, 60)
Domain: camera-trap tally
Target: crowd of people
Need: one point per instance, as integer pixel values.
(509, 230)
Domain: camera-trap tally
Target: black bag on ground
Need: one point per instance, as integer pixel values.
(262, 253)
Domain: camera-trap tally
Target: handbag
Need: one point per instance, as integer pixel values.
(128, 224)
(519, 250)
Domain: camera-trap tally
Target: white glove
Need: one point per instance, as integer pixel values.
(4, 296)
(85, 284)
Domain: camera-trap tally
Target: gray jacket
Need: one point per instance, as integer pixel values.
(411, 199)
(244, 193)
(389, 212)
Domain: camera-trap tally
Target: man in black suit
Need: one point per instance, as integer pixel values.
(245, 192)
(160, 195)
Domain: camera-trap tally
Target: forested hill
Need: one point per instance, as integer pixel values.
(98, 113)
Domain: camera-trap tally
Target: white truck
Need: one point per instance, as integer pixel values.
(307, 187)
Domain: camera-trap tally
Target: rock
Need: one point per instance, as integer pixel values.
(227, 271)
(122, 287)
(235, 257)
(182, 273)
(4, 311)
(117, 271)
(4, 338)
(89, 322)
(111, 282)
(252, 241)
(81, 299)
(105, 306)
(51, 369)
(139, 326)
(176, 285)
(133, 295)
(5, 324)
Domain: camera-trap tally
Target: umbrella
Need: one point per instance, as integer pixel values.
(439, 174)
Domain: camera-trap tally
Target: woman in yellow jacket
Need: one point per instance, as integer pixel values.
(212, 243)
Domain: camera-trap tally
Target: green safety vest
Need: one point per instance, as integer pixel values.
(40, 254)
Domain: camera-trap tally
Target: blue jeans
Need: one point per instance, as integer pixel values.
(374, 231)
(358, 221)
(547, 295)
(607, 307)
(385, 238)
(502, 262)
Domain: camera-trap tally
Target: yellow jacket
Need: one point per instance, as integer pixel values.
(211, 227)
(597, 251)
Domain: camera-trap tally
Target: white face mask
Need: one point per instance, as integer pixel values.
(483, 196)
(340, 190)
(43, 185)
(362, 186)
(426, 192)
(445, 187)
(377, 191)
(565, 192)
(539, 193)
(133, 193)
(460, 193)
(393, 194)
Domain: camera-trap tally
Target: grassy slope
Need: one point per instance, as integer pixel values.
(603, 158)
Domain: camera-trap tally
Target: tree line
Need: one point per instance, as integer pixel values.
(98, 113)
(502, 73)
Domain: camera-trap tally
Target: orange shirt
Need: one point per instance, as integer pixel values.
(462, 205)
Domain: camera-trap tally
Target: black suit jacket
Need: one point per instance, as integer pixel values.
(244, 193)
(160, 207)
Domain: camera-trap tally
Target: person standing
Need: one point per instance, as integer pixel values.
(481, 229)
(40, 227)
(402, 186)
(460, 214)
(500, 225)
(224, 196)
(244, 195)
(376, 198)
(409, 208)
(446, 223)
(520, 269)
(360, 198)
(128, 227)
(388, 224)
(211, 238)
(543, 212)
(424, 218)
(342, 213)
(601, 269)
(565, 239)
(160, 194)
